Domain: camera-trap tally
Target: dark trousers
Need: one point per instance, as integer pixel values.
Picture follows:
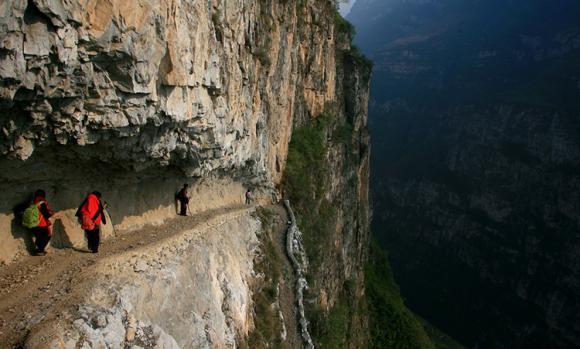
(93, 239)
(183, 209)
(41, 238)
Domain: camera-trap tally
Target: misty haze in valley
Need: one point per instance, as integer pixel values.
(475, 123)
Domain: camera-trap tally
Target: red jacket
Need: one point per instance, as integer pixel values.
(45, 212)
(92, 207)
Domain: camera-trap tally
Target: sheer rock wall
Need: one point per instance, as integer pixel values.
(133, 98)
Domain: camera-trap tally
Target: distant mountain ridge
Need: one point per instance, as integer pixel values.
(475, 115)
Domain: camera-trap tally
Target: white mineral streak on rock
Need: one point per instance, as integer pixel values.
(297, 256)
(283, 331)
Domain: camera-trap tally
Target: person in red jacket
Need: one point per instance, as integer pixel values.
(43, 231)
(91, 214)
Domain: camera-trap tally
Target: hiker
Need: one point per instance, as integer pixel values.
(248, 197)
(91, 214)
(183, 200)
(37, 218)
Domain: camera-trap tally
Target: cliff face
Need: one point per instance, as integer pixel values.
(476, 155)
(135, 98)
(132, 98)
(195, 84)
(335, 215)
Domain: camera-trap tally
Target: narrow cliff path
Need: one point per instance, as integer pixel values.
(36, 286)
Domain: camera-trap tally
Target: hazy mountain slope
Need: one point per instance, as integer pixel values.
(476, 154)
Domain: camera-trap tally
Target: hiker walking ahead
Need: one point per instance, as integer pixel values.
(183, 200)
(36, 218)
(91, 214)
(248, 197)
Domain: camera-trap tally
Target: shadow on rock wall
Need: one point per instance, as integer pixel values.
(136, 198)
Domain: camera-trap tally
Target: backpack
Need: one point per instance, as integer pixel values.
(87, 223)
(31, 216)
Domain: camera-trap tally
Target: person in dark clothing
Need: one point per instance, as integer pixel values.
(249, 197)
(43, 232)
(91, 214)
(183, 200)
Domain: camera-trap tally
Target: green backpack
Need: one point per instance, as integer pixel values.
(31, 216)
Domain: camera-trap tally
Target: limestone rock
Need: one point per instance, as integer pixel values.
(158, 83)
(140, 266)
(132, 97)
(23, 148)
(131, 328)
(205, 306)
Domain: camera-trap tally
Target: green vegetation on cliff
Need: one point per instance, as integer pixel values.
(354, 54)
(321, 181)
(307, 179)
(336, 328)
(392, 325)
(307, 182)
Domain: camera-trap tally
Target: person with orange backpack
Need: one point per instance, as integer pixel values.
(91, 215)
(37, 219)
